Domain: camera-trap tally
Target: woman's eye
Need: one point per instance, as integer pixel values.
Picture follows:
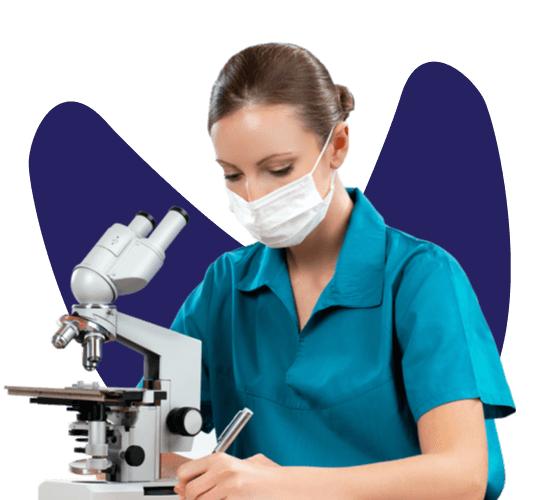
(282, 171)
(279, 173)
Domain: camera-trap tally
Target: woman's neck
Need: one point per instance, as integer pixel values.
(320, 249)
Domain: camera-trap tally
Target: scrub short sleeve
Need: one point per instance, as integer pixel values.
(448, 351)
(192, 320)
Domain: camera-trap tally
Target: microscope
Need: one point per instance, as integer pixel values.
(123, 431)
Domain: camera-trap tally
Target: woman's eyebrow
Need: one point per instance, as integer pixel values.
(260, 162)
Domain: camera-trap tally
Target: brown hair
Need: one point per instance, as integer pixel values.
(275, 73)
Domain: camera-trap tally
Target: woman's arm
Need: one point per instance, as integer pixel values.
(453, 465)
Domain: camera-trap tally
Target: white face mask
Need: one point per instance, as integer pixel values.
(286, 216)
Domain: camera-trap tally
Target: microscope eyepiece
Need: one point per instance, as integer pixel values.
(170, 226)
(148, 216)
(142, 224)
(182, 212)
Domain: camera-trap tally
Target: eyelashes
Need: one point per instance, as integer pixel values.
(283, 171)
(277, 173)
(233, 177)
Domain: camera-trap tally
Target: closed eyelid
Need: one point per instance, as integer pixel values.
(285, 168)
(282, 157)
(272, 169)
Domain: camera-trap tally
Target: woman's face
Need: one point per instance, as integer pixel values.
(264, 147)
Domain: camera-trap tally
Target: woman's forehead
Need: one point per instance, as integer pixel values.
(260, 129)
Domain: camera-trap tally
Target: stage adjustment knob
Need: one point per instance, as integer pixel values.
(185, 421)
(134, 455)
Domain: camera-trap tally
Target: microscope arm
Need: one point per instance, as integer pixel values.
(172, 358)
(168, 355)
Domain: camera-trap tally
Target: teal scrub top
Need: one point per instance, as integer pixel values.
(396, 332)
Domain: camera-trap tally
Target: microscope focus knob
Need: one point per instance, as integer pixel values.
(134, 455)
(185, 421)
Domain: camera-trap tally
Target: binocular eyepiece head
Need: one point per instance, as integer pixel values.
(124, 260)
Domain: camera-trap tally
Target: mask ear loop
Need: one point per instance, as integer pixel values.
(322, 154)
(323, 149)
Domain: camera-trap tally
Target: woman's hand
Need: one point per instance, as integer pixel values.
(221, 476)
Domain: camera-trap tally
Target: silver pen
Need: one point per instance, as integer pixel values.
(232, 430)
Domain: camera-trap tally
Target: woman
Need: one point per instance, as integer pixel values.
(362, 351)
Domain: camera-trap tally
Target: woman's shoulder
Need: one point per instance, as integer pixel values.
(405, 252)
(232, 266)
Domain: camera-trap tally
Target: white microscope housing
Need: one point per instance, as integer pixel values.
(125, 430)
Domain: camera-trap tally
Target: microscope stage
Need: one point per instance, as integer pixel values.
(103, 394)
(114, 396)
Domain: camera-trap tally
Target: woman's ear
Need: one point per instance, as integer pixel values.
(340, 141)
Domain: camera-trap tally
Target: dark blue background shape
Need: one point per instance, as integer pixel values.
(438, 177)
(84, 179)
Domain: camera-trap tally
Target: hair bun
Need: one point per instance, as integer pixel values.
(346, 99)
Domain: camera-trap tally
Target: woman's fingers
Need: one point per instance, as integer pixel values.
(201, 485)
(219, 475)
(198, 476)
(192, 469)
(180, 492)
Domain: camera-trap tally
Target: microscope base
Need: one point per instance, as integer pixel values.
(104, 490)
